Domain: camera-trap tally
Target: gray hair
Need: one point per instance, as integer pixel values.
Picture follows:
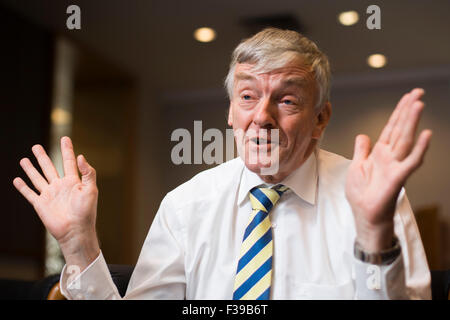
(273, 48)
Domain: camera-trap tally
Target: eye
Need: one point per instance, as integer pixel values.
(287, 101)
(246, 97)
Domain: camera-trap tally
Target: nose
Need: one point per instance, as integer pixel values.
(265, 114)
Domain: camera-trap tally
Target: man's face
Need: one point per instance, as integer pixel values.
(282, 99)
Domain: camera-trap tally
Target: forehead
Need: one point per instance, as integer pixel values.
(292, 73)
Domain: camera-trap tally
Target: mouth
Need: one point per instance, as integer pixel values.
(259, 141)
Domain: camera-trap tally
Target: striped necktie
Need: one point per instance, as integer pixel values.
(254, 270)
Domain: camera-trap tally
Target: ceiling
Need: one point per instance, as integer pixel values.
(153, 39)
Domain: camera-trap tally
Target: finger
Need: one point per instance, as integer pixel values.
(387, 131)
(415, 158)
(22, 187)
(88, 174)
(68, 156)
(402, 147)
(45, 163)
(362, 148)
(35, 177)
(397, 129)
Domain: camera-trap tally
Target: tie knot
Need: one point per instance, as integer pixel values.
(265, 198)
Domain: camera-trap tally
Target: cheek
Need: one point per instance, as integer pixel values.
(241, 119)
(298, 134)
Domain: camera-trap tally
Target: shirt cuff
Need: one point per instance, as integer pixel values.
(94, 283)
(380, 282)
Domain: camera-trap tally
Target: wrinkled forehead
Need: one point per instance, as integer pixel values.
(294, 72)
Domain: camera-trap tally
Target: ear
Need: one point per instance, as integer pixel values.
(322, 119)
(230, 115)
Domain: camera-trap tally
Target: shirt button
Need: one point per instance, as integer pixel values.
(274, 225)
(79, 296)
(91, 289)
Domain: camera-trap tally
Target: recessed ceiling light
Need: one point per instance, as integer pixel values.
(204, 34)
(376, 60)
(348, 18)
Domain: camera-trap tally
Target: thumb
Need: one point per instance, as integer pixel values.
(362, 148)
(88, 175)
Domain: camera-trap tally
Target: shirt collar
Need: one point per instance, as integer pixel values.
(303, 181)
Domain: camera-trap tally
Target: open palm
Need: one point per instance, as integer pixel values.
(376, 176)
(66, 205)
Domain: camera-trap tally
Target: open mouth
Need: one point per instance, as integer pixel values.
(260, 141)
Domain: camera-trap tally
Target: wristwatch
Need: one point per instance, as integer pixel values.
(384, 257)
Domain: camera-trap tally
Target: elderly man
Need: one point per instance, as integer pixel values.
(319, 226)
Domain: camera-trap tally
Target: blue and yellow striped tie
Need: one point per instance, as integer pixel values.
(254, 271)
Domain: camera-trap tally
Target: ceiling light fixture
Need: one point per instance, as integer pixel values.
(376, 60)
(204, 34)
(348, 18)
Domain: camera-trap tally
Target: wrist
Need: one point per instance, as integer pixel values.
(80, 249)
(375, 238)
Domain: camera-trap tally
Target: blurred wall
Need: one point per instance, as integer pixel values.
(25, 94)
(104, 133)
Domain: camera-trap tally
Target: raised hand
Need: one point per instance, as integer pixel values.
(66, 205)
(376, 176)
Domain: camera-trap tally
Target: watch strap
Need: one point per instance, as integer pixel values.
(384, 257)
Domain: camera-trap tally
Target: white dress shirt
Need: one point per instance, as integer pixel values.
(193, 246)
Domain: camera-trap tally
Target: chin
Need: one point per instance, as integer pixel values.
(256, 168)
(263, 168)
(262, 160)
